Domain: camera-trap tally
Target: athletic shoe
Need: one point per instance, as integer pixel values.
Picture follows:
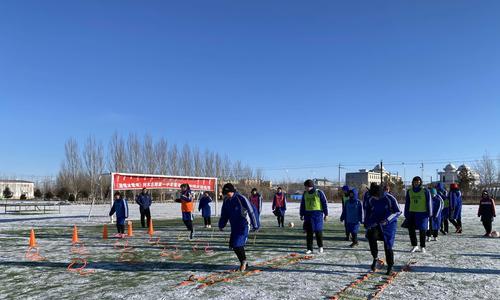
(373, 267)
(423, 250)
(414, 249)
(321, 250)
(243, 266)
(389, 270)
(434, 239)
(354, 244)
(309, 252)
(442, 231)
(486, 235)
(191, 235)
(459, 231)
(428, 238)
(209, 226)
(346, 238)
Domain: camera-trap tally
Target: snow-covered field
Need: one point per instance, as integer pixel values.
(463, 266)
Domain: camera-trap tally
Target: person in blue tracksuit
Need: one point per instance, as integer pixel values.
(345, 198)
(279, 207)
(120, 207)
(435, 220)
(456, 207)
(381, 221)
(241, 215)
(366, 197)
(186, 201)
(144, 201)
(418, 210)
(445, 213)
(352, 216)
(206, 211)
(313, 211)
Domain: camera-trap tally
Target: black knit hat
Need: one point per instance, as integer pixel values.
(308, 183)
(416, 178)
(254, 189)
(228, 188)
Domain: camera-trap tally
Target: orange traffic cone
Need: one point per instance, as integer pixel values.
(105, 232)
(32, 238)
(130, 232)
(75, 239)
(150, 229)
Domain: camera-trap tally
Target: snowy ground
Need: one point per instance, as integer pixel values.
(466, 266)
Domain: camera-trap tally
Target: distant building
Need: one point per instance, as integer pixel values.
(18, 188)
(450, 173)
(322, 183)
(366, 177)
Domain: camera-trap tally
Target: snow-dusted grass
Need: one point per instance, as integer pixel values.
(466, 266)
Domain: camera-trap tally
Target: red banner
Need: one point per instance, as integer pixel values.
(137, 182)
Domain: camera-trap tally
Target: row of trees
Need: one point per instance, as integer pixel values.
(488, 170)
(82, 166)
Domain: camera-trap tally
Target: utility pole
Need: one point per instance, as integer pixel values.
(339, 174)
(422, 167)
(381, 173)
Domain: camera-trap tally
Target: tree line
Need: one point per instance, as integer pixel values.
(80, 172)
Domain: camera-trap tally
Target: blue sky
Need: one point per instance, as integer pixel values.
(276, 84)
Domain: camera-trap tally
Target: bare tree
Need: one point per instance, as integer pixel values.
(173, 159)
(487, 170)
(209, 159)
(226, 172)
(148, 155)
(161, 156)
(186, 161)
(93, 157)
(237, 170)
(197, 163)
(72, 166)
(218, 166)
(117, 158)
(134, 157)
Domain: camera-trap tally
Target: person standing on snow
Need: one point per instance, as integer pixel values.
(186, 201)
(313, 211)
(345, 198)
(487, 212)
(279, 207)
(352, 216)
(435, 220)
(418, 209)
(144, 201)
(445, 213)
(206, 211)
(456, 207)
(381, 221)
(120, 207)
(241, 214)
(256, 200)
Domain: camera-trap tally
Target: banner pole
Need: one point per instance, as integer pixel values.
(216, 195)
(112, 192)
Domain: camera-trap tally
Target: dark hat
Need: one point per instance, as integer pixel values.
(308, 183)
(117, 193)
(254, 190)
(345, 188)
(416, 178)
(228, 188)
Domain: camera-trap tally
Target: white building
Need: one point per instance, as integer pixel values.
(450, 173)
(366, 177)
(323, 182)
(18, 188)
